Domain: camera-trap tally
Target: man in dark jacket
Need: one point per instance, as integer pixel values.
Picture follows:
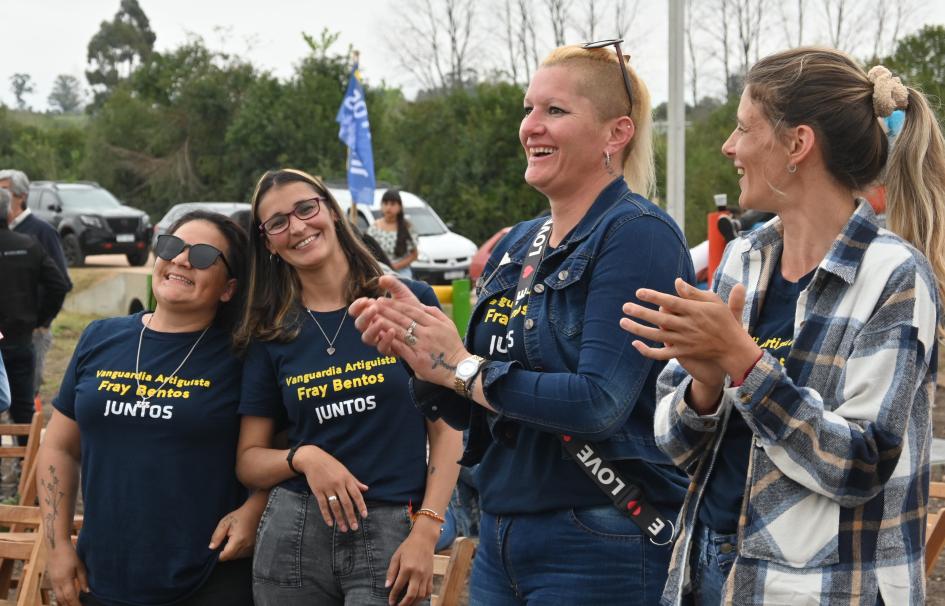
(34, 289)
(21, 220)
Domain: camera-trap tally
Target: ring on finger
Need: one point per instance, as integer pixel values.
(409, 338)
(333, 497)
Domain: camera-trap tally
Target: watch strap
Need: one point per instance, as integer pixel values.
(291, 456)
(469, 384)
(461, 384)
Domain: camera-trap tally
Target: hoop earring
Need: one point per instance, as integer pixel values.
(792, 168)
(607, 163)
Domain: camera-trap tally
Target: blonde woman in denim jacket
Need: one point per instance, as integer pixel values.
(551, 362)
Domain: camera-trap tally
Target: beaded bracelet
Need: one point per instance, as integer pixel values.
(428, 513)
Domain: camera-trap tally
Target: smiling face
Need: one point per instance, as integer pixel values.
(304, 244)
(563, 136)
(760, 158)
(179, 285)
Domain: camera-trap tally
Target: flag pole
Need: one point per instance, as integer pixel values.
(355, 59)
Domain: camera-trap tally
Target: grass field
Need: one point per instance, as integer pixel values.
(66, 330)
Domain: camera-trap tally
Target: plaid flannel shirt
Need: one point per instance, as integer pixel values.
(835, 504)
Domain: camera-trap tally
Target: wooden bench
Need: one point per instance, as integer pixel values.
(454, 570)
(26, 489)
(935, 528)
(28, 547)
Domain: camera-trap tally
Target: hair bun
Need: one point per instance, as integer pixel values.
(889, 93)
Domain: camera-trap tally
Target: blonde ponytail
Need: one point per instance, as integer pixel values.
(915, 186)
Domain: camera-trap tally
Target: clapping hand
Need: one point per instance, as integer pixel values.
(421, 335)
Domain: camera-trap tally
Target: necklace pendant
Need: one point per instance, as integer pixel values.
(144, 402)
(331, 351)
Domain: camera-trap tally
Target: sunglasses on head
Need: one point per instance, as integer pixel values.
(200, 256)
(304, 209)
(621, 59)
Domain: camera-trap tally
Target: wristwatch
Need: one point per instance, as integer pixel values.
(466, 371)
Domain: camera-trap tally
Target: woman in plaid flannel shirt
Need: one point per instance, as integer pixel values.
(798, 392)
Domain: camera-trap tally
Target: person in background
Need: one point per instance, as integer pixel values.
(4, 385)
(148, 411)
(395, 234)
(34, 289)
(799, 393)
(558, 403)
(21, 220)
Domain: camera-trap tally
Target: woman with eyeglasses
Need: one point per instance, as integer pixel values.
(147, 411)
(395, 234)
(577, 501)
(356, 504)
(800, 392)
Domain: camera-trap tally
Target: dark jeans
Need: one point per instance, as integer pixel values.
(230, 583)
(462, 515)
(465, 503)
(589, 556)
(301, 561)
(21, 364)
(711, 559)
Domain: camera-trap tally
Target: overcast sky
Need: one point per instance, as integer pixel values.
(44, 38)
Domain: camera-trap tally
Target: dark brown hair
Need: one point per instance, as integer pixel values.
(273, 303)
(403, 227)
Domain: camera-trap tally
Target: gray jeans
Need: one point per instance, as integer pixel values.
(299, 560)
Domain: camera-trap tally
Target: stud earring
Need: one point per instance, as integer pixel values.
(792, 168)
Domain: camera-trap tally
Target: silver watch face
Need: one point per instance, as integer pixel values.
(466, 368)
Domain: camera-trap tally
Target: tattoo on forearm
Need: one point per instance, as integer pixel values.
(440, 360)
(432, 469)
(52, 497)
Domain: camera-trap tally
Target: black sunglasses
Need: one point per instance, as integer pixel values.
(201, 256)
(621, 59)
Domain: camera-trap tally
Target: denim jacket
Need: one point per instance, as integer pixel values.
(581, 375)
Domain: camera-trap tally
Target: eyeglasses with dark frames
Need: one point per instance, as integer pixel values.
(304, 209)
(621, 59)
(200, 256)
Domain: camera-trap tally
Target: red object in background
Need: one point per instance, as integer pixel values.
(716, 242)
(482, 255)
(877, 199)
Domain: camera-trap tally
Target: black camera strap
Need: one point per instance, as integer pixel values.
(625, 495)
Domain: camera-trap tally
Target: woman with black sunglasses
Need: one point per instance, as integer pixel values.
(577, 501)
(356, 504)
(148, 411)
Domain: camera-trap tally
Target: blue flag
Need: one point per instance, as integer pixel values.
(355, 131)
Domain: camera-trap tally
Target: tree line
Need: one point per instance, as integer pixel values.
(193, 123)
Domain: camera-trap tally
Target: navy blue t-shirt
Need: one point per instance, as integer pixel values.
(354, 404)
(537, 474)
(156, 480)
(773, 332)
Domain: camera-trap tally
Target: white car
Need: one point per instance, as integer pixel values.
(442, 256)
